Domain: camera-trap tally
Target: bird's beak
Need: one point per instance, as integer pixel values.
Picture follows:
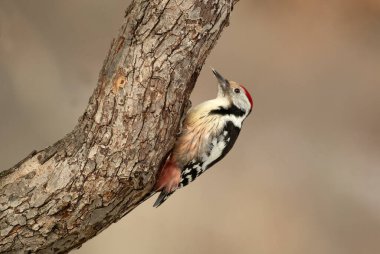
(223, 83)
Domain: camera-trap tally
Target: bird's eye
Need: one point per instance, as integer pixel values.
(237, 90)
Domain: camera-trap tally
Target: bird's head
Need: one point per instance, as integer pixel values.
(235, 93)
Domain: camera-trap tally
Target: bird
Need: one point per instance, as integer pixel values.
(209, 131)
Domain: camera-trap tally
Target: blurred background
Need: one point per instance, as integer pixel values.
(304, 177)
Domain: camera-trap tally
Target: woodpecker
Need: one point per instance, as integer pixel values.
(209, 130)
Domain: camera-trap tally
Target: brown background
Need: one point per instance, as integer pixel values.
(304, 176)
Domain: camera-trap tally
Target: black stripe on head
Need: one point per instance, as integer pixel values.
(232, 110)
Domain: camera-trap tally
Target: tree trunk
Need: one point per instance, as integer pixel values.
(56, 199)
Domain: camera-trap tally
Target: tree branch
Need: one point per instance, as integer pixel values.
(56, 199)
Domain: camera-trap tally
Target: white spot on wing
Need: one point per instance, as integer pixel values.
(215, 152)
(196, 167)
(187, 170)
(189, 178)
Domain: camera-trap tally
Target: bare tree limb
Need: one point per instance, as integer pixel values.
(56, 199)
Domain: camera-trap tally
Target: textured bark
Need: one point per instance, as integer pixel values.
(56, 199)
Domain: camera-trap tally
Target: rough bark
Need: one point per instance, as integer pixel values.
(56, 199)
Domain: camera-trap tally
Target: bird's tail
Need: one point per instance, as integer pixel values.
(162, 197)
